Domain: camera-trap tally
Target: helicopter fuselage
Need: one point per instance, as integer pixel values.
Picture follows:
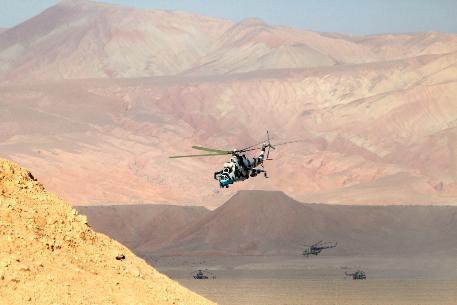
(312, 251)
(240, 168)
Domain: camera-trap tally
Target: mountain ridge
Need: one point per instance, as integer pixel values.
(116, 41)
(271, 223)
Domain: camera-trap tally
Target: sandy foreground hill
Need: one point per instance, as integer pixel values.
(49, 255)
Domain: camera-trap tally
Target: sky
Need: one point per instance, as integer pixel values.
(342, 16)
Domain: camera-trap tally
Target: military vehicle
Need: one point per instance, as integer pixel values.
(358, 275)
(203, 275)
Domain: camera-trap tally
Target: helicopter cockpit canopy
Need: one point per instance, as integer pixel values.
(224, 181)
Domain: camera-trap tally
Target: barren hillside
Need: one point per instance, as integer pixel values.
(49, 255)
(271, 223)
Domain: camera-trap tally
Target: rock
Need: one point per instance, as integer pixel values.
(120, 257)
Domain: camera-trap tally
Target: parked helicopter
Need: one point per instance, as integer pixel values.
(203, 275)
(317, 248)
(358, 275)
(240, 167)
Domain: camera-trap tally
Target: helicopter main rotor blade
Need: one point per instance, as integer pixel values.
(318, 243)
(283, 143)
(273, 146)
(249, 148)
(195, 156)
(220, 152)
(211, 149)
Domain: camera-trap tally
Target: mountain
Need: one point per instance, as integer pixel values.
(271, 223)
(101, 40)
(376, 115)
(397, 46)
(369, 136)
(50, 255)
(146, 225)
(253, 45)
(86, 39)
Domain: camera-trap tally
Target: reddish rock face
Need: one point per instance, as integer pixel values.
(377, 114)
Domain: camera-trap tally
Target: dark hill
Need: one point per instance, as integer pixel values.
(271, 223)
(146, 225)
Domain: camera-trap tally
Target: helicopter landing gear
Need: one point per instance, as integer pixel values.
(257, 171)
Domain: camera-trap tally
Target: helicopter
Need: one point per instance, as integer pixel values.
(203, 275)
(358, 275)
(239, 167)
(317, 248)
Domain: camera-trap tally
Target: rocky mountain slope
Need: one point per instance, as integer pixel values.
(49, 255)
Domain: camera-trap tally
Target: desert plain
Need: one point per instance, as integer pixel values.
(295, 280)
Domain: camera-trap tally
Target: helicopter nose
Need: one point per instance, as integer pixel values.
(224, 181)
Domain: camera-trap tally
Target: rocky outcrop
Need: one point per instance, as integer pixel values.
(50, 255)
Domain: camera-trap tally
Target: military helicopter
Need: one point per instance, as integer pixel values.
(240, 167)
(203, 275)
(317, 248)
(358, 275)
